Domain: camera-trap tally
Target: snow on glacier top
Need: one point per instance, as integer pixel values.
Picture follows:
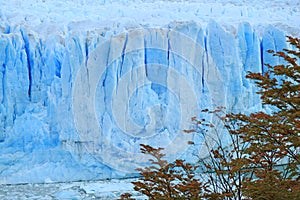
(46, 16)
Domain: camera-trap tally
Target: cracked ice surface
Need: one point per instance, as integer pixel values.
(111, 189)
(83, 83)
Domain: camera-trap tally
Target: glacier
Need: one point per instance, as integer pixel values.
(80, 89)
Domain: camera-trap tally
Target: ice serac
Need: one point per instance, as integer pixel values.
(141, 86)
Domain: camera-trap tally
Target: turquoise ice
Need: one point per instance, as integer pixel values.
(79, 93)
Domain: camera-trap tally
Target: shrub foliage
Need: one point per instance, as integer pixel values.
(262, 159)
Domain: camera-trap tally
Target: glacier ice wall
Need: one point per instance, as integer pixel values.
(76, 106)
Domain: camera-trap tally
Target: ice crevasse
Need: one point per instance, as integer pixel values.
(76, 106)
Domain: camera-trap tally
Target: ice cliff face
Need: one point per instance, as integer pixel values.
(76, 106)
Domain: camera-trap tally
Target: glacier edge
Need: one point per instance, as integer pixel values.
(39, 139)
